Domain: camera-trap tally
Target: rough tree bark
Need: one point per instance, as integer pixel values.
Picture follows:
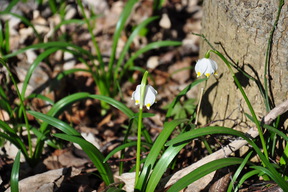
(243, 28)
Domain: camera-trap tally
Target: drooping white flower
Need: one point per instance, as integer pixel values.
(206, 66)
(149, 96)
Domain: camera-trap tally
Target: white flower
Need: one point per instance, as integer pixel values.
(206, 66)
(149, 96)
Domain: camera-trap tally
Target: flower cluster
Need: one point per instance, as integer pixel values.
(206, 66)
(149, 96)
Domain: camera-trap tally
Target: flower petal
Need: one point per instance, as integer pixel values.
(150, 96)
(201, 67)
(205, 66)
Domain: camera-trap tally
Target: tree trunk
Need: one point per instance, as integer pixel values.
(243, 28)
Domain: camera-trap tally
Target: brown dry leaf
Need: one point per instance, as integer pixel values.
(46, 181)
(128, 179)
(64, 158)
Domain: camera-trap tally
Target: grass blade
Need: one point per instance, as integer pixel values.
(15, 174)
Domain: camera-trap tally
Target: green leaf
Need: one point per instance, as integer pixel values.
(155, 150)
(62, 105)
(42, 97)
(11, 5)
(64, 127)
(7, 37)
(94, 155)
(61, 45)
(245, 177)
(67, 22)
(15, 174)
(115, 103)
(12, 136)
(270, 128)
(238, 171)
(170, 153)
(202, 171)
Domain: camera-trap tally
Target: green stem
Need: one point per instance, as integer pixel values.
(246, 100)
(267, 59)
(138, 155)
(140, 116)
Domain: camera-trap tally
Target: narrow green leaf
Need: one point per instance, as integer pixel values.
(94, 155)
(202, 171)
(11, 5)
(7, 37)
(4, 104)
(64, 127)
(170, 153)
(245, 177)
(41, 136)
(114, 103)
(238, 171)
(33, 67)
(12, 136)
(123, 146)
(270, 128)
(61, 45)
(155, 150)
(52, 4)
(42, 97)
(62, 105)
(67, 22)
(15, 174)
